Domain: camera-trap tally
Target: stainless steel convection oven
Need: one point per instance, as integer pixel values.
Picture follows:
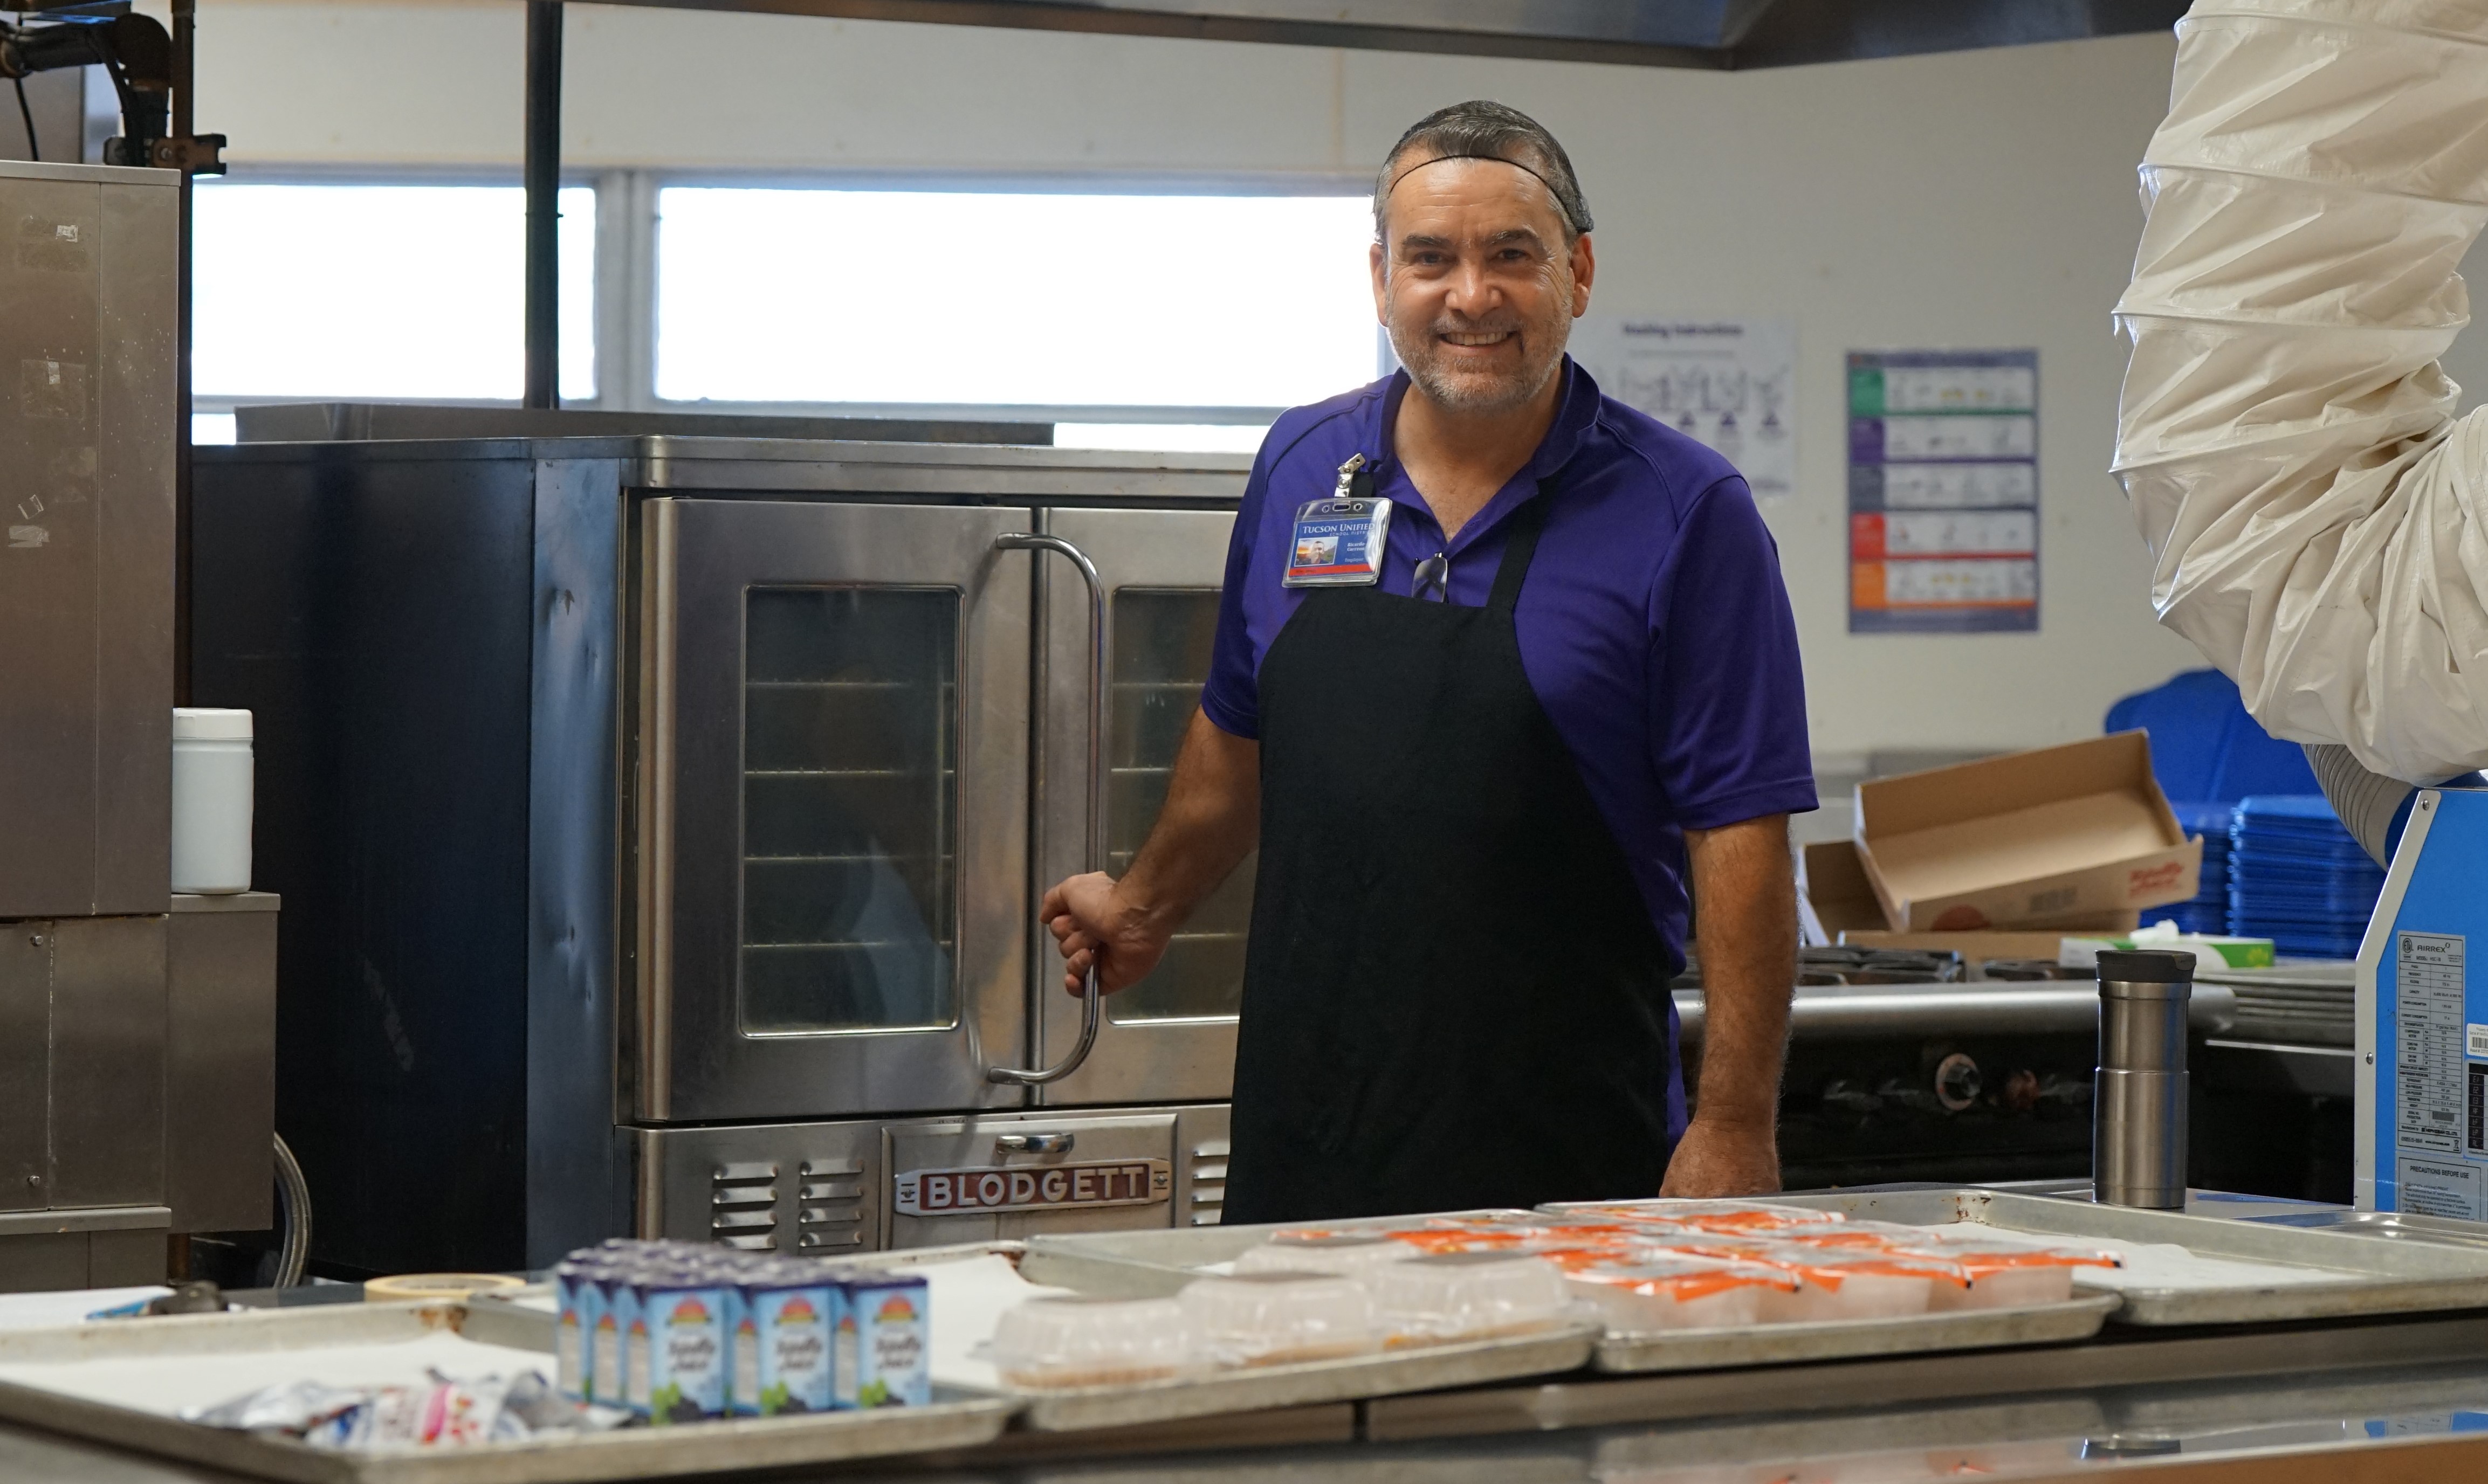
(662, 821)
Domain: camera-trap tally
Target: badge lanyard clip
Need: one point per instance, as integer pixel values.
(1339, 542)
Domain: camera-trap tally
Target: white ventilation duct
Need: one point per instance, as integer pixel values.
(2317, 517)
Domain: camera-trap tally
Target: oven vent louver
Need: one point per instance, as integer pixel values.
(1208, 1184)
(829, 1204)
(743, 1206)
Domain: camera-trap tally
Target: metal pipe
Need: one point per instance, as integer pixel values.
(1094, 854)
(294, 1218)
(1859, 1012)
(543, 204)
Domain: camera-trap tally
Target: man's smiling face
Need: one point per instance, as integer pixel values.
(1477, 282)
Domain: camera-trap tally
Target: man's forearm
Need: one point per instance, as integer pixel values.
(1745, 886)
(1210, 822)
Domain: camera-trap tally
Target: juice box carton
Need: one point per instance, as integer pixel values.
(884, 1337)
(785, 1318)
(605, 1320)
(678, 1344)
(574, 1289)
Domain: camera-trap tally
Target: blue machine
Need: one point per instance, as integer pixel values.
(2422, 1036)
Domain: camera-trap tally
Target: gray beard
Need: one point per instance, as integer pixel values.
(1468, 395)
(1472, 396)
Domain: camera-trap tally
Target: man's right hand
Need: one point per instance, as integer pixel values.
(1211, 815)
(1092, 921)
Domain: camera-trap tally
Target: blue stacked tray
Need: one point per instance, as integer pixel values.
(2208, 910)
(2297, 878)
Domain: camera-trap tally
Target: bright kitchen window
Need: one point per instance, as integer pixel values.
(1002, 298)
(379, 291)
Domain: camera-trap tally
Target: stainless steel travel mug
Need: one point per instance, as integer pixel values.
(2138, 1101)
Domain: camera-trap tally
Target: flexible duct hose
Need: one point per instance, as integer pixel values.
(2317, 518)
(2369, 804)
(293, 1218)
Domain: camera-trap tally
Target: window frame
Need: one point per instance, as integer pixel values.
(223, 404)
(625, 323)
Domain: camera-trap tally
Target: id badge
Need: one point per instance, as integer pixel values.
(1339, 541)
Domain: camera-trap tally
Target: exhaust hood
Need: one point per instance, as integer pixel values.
(1710, 34)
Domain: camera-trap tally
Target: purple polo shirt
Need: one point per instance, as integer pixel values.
(1653, 625)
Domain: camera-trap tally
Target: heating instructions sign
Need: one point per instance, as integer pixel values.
(1943, 491)
(1728, 384)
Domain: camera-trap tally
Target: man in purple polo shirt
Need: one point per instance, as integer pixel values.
(1500, 664)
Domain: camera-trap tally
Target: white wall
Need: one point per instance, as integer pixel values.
(1981, 199)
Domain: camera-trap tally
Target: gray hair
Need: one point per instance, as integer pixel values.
(1481, 130)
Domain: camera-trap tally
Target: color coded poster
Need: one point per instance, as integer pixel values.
(1943, 491)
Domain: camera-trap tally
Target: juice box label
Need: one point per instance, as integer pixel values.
(570, 1347)
(783, 1350)
(891, 1336)
(604, 1318)
(678, 1354)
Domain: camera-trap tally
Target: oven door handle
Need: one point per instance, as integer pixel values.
(1095, 856)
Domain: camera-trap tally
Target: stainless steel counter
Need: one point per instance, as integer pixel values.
(2417, 1383)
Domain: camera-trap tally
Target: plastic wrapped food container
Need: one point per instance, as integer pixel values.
(1449, 1220)
(1858, 1236)
(1279, 1318)
(1469, 1296)
(1675, 1293)
(1838, 1285)
(1049, 1343)
(1344, 1255)
(2010, 1277)
(1725, 1248)
(1465, 1240)
(1722, 1216)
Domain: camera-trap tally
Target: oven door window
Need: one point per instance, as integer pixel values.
(1160, 647)
(850, 817)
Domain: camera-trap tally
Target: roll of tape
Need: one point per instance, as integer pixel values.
(415, 1286)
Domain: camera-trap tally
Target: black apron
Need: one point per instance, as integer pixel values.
(1453, 995)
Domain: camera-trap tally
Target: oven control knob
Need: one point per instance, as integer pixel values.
(1957, 1082)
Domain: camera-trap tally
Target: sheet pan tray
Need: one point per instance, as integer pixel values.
(957, 1418)
(2077, 1318)
(1427, 1369)
(2342, 1273)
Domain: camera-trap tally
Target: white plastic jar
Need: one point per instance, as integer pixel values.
(211, 800)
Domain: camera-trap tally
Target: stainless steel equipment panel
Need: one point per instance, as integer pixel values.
(1172, 1035)
(25, 1049)
(834, 862)
(87, 258)
(81, 1062)
(108, 1090)
(1014, 1176)
(220, 1062)
(827, 1188)
(773, 1187)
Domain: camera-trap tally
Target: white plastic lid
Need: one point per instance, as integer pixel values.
(1082, 1339)
(1459, 1294)
(210, 723)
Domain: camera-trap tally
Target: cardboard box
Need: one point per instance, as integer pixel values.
(2037, 839)
(1835, 885)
